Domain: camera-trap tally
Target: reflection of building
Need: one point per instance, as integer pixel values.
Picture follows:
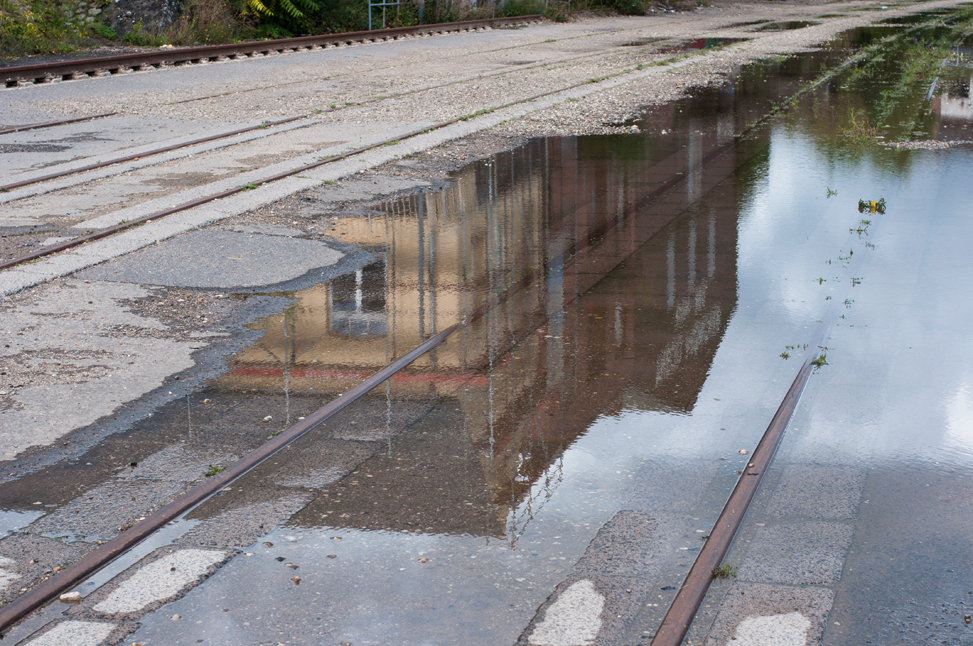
(637, 306)
(955, 102)
(356, 303)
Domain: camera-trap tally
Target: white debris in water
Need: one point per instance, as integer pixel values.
(779, 630)
(160, 580)
(76, 633)
(6, 576)
(573, 620)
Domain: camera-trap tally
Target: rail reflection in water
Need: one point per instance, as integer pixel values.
(623, 323)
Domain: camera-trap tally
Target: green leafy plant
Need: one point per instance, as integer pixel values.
(104, 31)
(281, 8)
(872, 206)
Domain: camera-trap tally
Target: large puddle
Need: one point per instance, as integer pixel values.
(636, 309)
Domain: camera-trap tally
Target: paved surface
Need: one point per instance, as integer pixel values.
(482, 495)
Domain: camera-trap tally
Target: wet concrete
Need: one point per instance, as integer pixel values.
(505, 474)
(546, 476)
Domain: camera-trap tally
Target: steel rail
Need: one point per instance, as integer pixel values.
(112, 549)
(51, 124)
(101, 556)
(156, 151)
(683, 610)
(121, 63)
(681, 613)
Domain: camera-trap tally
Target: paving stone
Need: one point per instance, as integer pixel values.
(177, 463)
(26, 558)
(754, 611)
(240, 522)
(100, 513)
(679, 488)
(797, 554)
(627, 545)
(587, 609)
(573, 619)
(817, 492)
(75, 633)
(156, 582)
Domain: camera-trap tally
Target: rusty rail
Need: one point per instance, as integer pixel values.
(51, 124)
(46, 72)
(683, 610)
(157, 151)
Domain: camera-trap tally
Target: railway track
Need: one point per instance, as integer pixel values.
(4, 188)
(102, 233)
(678, 619)
(25, 75)
(588, 243)
(79, 171)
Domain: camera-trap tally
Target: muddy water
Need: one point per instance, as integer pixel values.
(634, 309)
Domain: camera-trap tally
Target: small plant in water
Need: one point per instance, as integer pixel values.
(872, 206)
(831, 191)
(785, 355)
(722, 572)
(821, 360)
(214, 469)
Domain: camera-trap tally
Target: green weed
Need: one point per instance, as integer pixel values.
(723, 572)
(214, 469)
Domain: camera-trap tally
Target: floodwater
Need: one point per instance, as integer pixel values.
(632, 308)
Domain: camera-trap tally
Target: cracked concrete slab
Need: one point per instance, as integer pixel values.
(115, 357)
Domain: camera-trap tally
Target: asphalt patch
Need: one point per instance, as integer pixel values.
(219, 260)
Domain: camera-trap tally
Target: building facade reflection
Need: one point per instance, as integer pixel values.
(616, 285)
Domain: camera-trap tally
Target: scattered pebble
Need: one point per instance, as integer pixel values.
(70, 597)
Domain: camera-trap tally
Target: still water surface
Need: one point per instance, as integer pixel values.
(656, 292)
